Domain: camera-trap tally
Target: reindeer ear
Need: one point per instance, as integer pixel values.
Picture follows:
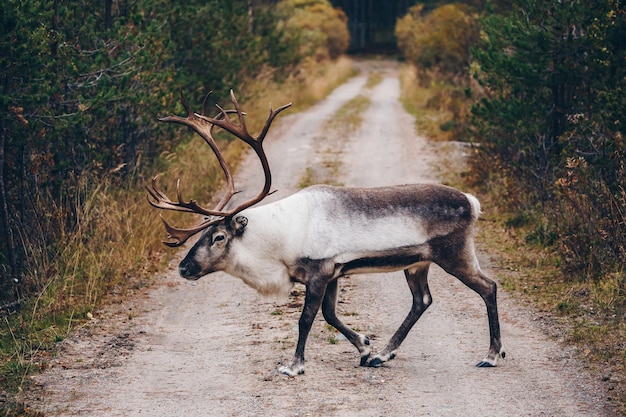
(240, 223)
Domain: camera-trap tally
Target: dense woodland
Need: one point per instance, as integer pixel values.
(538, 86)
(553, 119)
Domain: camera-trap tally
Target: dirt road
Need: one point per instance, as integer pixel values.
(212, 347)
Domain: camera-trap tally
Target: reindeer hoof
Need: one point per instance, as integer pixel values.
(491, 361)
(364, 349)
(295, 368)
(364, 359)
(376, 362)
(285, 370)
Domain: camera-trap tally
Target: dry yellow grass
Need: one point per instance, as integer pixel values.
(437, 106)
(308, 84)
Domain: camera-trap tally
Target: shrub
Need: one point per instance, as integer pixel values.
(320, 29)
(439, 40)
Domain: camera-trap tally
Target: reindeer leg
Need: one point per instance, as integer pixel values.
(487, 289)
(417, 278)
(360, 341)
(469, 273)
(315, 289)
(496, 350)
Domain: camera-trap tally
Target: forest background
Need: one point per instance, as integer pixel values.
(536, 86)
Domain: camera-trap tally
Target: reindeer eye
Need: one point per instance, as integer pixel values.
(218, 238)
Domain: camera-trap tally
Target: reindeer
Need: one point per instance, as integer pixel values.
(323, 233)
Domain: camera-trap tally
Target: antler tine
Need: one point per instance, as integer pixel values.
(204, 125)
(155, 192)
(230, 181)
(180, 236)
(240, 129)
(186, 103)
(162, 201)
(206, 98)
(270, 119)
(240, 115)
(178, 119)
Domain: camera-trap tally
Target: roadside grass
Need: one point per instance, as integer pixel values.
(439, 107)
(589, 315)
(307, 85)
(116, 249)
(373, 80)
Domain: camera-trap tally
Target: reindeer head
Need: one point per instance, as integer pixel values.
(210, 253)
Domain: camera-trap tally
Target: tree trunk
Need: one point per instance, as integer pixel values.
(5, 227)
(108, 18)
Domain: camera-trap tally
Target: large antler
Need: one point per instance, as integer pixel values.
(203, 126)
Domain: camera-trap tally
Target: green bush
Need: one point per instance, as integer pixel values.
(437, 44)
(321, 30)
(439, 40)
(76, 97)
(551, 123)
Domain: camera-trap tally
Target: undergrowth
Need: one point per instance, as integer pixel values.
(117, 248)
(439, 107)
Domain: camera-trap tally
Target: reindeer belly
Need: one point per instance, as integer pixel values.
(389, 260)
(381, 261)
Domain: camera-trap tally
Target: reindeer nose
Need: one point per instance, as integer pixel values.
(188, 270)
